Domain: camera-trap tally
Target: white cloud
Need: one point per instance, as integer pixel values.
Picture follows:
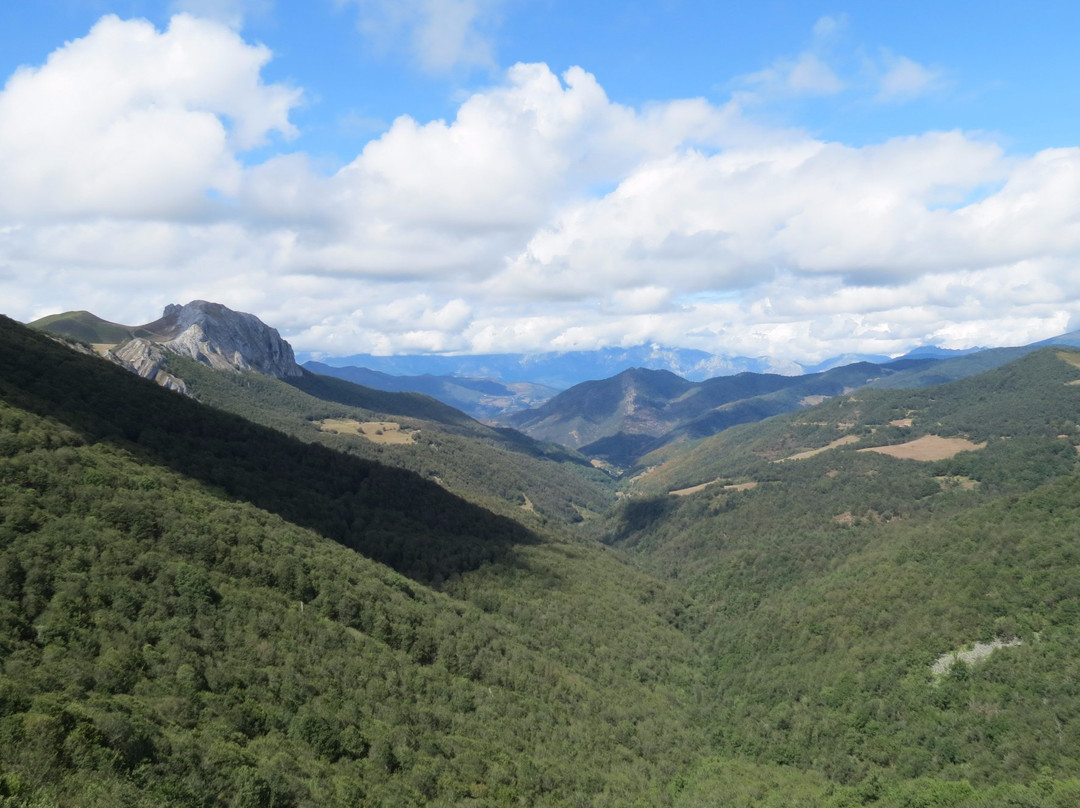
(440, 35)
(806, 74)
(903, 79)
(128, 121)
(483, 232)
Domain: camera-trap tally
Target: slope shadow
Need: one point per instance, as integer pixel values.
(390, 515)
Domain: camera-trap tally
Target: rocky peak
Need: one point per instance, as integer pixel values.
(224, 339)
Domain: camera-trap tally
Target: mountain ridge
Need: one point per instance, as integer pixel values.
(618, 420)
(206, 332)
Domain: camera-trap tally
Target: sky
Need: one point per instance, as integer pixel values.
(797, 180)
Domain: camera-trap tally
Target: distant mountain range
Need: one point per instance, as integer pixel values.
(620, 419)
(562, 370)
(613, 418)
(480, 398)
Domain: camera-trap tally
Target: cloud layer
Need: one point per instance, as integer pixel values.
(544, 215)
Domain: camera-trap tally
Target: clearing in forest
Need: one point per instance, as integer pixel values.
(928, 447)
(844, 441)
(375, 431)
(684, 492)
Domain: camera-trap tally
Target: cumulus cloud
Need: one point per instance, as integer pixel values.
(484, 232)
(129, 121)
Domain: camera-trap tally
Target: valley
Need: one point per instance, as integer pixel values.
(292, 590)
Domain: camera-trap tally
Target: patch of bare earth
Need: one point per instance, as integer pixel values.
(901, 422)
(977, 653)
(844, 441)
(928, 447)
(384, 432)
(685, 492)
(1070, 359)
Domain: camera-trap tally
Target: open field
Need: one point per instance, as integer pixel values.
(386, 432)
(684, 492)
(928, 447)
(844, 441)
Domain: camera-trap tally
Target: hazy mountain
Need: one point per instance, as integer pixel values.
(480, 398)
(953, 365)
(562, 370)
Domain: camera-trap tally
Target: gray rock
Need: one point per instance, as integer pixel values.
(144, 358)
(224, 339)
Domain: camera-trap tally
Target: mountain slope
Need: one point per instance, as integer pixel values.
(836, 575)
(166, 641)
(638, 411)
(233, 361)
(501, 470)
(480, 398)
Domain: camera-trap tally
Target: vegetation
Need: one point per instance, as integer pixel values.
(165, 641)
(196, 610)
(495, 468)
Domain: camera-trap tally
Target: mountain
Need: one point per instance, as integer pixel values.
(480, 398)
(889, 578)
(562, 370)
(620, 419)
(207, 332)
(953, 365)
(195, 610)
(867, 601)
(234, 362)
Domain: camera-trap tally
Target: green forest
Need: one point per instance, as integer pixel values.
(212, 602)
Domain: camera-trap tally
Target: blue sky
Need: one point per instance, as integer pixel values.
(787, 179)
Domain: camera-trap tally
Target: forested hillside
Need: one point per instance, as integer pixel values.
(196, 610)
(835, 576)
(501, 470)
(180, 628)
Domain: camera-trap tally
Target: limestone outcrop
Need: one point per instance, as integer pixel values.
(223, 338)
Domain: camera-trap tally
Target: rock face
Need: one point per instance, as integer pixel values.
(145, 358)
(217, 336)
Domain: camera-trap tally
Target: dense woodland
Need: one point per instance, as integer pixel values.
(196, 610)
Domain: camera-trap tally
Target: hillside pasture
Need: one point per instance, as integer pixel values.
(844, 441)
(928, 447)
(385, 432)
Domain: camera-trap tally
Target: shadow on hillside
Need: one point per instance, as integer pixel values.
(390, 515)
